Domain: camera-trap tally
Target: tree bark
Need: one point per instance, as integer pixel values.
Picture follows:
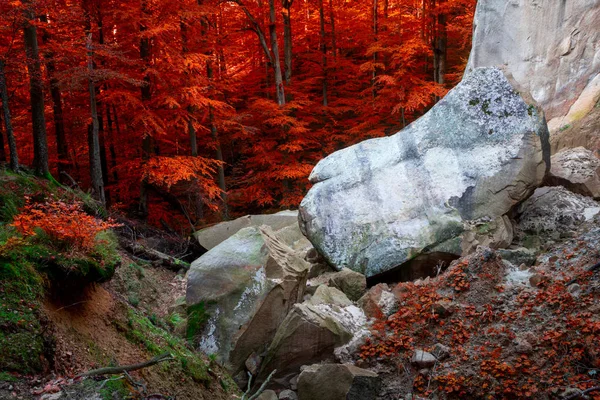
(36, 91)
(323, 47)
(279, 90)
(287, 39)
(10, 137)
(111, 147)
(375, 34)
(94, 142)
(440, 46)
(146, 96)
(57, 110)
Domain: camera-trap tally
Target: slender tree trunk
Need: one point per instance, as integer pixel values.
(101, 133)
(333, 35)
(36, 91)
(10, 137)
(323, 47)
(287, 39)
(57, 110)
(375, 34)
(94, 142)
(440, 47)
(280, 92)
(147, 144)
(111, 139)
(2, 151)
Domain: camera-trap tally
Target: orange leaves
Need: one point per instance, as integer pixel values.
(65, 223)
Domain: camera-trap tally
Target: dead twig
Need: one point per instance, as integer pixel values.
(583, 393)
(127, 368)
(260, 389)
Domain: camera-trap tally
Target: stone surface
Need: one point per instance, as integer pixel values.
(518, 256)
(496, 234)
(552, 48)
(268, 395)
(552, 211)
(581, 133)
(440, 351)
(337, 382)
(352, 283)
(288, 395)
(385, 201)
(423, 359)
(213, 235)
(577, 170)
(241, 291)
(378, 302)
(312, 331)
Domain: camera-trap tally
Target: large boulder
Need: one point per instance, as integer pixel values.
(239, 293)
(478, 152)
(312, 331)
(337, 382)
(550, 47)
(213, 235)
(577, 170)
(554, 211)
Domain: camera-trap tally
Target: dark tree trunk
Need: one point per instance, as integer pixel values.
(287, 39)
(323, 47)
(57, 111)
(147, 144)
(279, 90)
(94, 139)
(440, 47)
(10, 137)
(36, 91)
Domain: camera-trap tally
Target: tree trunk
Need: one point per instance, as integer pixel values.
(323, 47)
(287, 39)
(280, 93)
(375, 34)
(57, 110)
(440, 47)
(94, 142)
(10, 137)
(146, 95)
(36, 91)
(2, 151)
(111, 139)
(101, 133)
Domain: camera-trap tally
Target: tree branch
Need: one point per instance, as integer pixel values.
(126, 368)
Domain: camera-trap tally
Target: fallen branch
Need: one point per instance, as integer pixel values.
(166, 260)
(583, 393)
(593, 268)
(126, 368)
(260, 390)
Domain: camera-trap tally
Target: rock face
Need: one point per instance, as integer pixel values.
(353, 284)
(552, 211)
(337, 382)
(213, 235)
(478, 152)
(577, 170)
(241, 291)
(551, 47)
(311, 332)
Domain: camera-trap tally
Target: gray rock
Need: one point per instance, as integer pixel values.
(268, 395)
(550, 47)
(385, 201)
(337, 382)
(288, 395)
(518, 256)
(240, 291)
(312, 331)
(552, 211)
(440, 351)
(577, 170)
(423, 359)
(213, 235)
(352, 283)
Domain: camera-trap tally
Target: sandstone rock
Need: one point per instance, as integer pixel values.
(240, 292)
(495, 234)
(550, 47)
(577, 170)
(536, 279)
(352, 283)
(518, 256)
(385, 201)
(213, 235)
(253, 363)
(311, 332)
(288, 395)
(423, 359)
(554, 210)
(378, 301)
(440, 351)
(268, 395)
(337, 382)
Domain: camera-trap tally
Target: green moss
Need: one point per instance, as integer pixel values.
(531, 110)
(485, 107)
(564, 127)
(157, 340)
(197, 317)
(115, 389)
(474, 102)
(6, 377)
